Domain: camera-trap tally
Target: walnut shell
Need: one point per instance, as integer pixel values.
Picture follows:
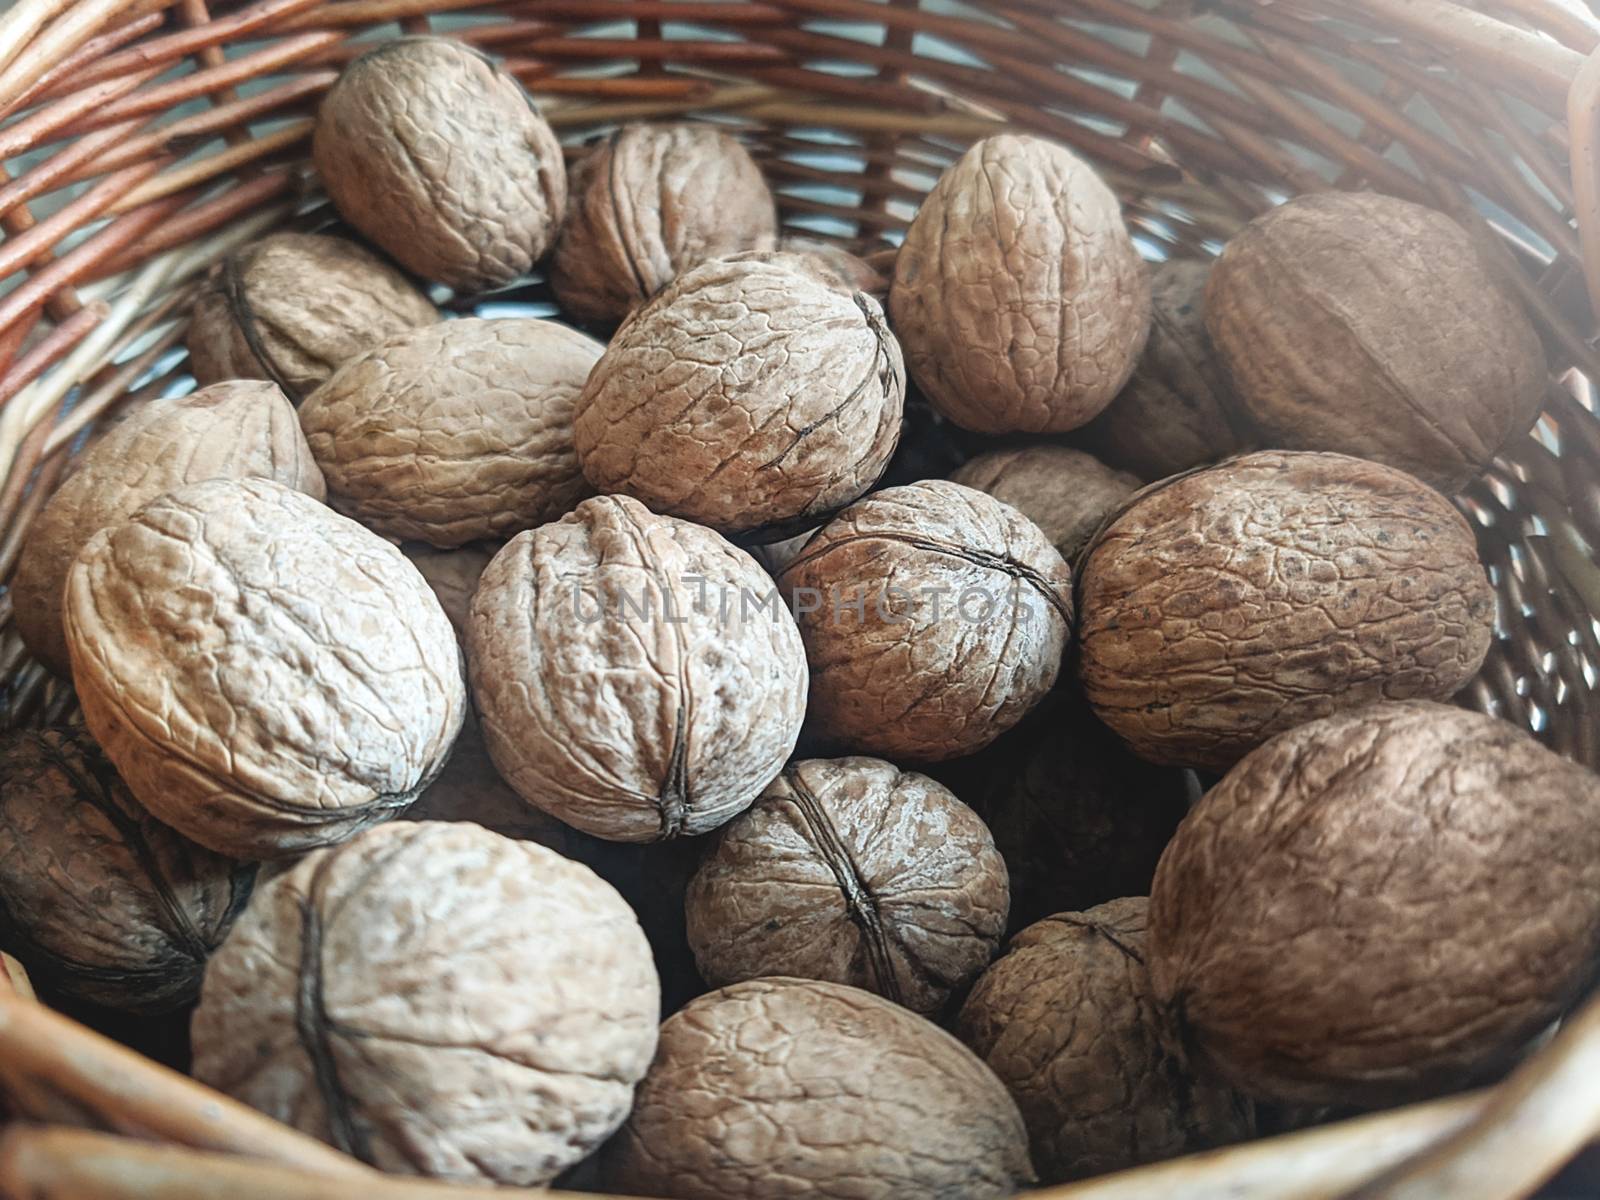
(266, 675)
(1385, 903)
(1178, 410)
(1373, 326)
(435, 1000)
(439, 157)
(934, 618)
(649, 203)
(746, 396)
(293, 307)
(778, 1089)
(1068, 1022)
(626, 679)
(1065, 492)
(225, 431)
(853, 871)
(456, 432)
(1229, 604)
(1018, 294)
(837, 267)
(96, 896)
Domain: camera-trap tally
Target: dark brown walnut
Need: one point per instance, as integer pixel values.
(1232, 603)
(853, 871)
(225, 431)
(439, 157)
(1178, 411)
(934, 618)
(778, 1089)
(96, 897)
(1065, 492)
(435, 1000)
(293, 307)
(1018, 294)
(839, 268)
(266, 675)
(1068, 1022)
(1373, 326)
(457, 432)
(749, 397)
(1382, 904)
(647, 204)
(637, 676)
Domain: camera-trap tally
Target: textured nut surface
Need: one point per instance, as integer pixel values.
(965, 610)
(266, 675)
(624, 683)
(293, 307)
(1384, 903)
(457, 432)
(854, 871)
(745, 396)
(838, 267)
(95, 895)
(1018, 295)
(647, 204)
(1068, 1022)
(780, 1088)
(225, 431)
(440, 158)
(1065, 492)
(1235, 602)
(1178, 411)
(435, 1000)
(1372, 326)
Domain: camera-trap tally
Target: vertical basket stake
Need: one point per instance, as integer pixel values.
(1583, 129)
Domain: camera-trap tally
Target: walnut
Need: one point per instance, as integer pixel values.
(266, 675)
(746, 396)
(840, 269)
(1372, 326)
(649, 203)
(1065, 492)
(780, 1088)
(455, 432)
(1178, 411)
(853, 871)
(225, 431)
(435, 1000)
(293, 307)
(1381, 904)
(636, 675)
(1068, 1022)
(1018, 295)
(95, 896)
(934, 618)
(1232, 603)
(440, 158)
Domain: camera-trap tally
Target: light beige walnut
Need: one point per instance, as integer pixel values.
(1065, 492)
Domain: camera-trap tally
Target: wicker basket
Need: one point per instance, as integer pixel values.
(142, 139)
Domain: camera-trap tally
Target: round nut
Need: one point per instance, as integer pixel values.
(853, 1097)
(1372, 326)
(266, 675)
(1385, 903)
(853, 871)
(293, 307)
(1065, 492)
(649, 203)
(456, 432)
(934, 618)
(1232, 603)
(439, 157)
(840, 269)
(435, 1000)
(1018, 294)
(746, 396)
(627, 682)
(97, 897)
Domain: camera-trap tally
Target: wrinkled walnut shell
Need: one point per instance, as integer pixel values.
(853, 871)
(838, 268)
(1383, 904)
(1065, 492)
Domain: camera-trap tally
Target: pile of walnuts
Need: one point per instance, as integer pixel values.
(1070, 813)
